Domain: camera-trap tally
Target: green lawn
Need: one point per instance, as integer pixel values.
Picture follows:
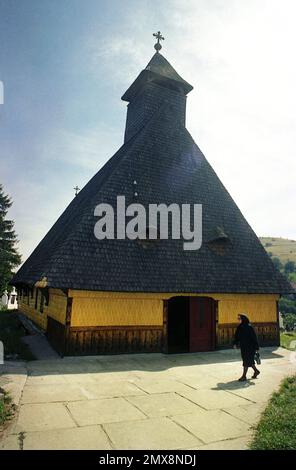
(11, 332)
(286, 340)
(277, 427)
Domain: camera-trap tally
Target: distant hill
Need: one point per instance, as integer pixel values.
(282, 248)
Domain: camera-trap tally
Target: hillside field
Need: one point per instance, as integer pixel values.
(282, 248)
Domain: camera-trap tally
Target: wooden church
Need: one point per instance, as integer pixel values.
(119, 296)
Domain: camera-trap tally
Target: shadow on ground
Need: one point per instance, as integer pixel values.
(234, 385)
(153, 362)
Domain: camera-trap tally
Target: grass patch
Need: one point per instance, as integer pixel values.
(286, 340)
(11, 333)
(277, 427)
(7, 408)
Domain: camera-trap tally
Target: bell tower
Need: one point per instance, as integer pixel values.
(156, 85)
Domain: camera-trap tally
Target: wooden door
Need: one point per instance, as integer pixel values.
(202, 324)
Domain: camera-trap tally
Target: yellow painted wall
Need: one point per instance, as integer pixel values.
(116, 312)
(29, 310)
(92, 308)
(259, 308)
(55, 309)
(57, 305)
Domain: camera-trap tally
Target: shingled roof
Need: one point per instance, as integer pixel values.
(168, 167)
(160, 71)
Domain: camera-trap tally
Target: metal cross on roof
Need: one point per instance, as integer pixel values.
(76, 190)
(159, 38)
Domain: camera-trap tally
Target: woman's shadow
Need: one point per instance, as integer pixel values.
(234, 385)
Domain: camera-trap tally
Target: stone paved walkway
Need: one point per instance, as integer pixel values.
(143, 401)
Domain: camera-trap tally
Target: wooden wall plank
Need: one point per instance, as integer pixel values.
(103, 340)
(268, 334)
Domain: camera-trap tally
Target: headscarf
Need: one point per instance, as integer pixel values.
(245, 320)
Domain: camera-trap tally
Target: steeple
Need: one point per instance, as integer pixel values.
(157, 84)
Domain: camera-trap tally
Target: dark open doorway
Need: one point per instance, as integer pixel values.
(178, 325)
(191, 324)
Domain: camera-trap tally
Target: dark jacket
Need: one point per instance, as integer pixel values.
(245, 337)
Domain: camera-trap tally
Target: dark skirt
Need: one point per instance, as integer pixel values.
(248, 355)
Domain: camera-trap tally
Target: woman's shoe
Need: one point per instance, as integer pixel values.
(242, 379)
(255, 375)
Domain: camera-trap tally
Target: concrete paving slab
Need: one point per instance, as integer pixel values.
(84, 368)
(232, 385)
(15, 390)
(202, 368)
(114, 376)
(85, 438)
(228, 374)
(213, 425)
(59, 367)
(119, 365)
(117, 388)
(214, 399)
(41, 417)
(198, 382)
(188, 371)
(104, 411)
(153, 364)
(154, 433)
(13, 381)
(10, 443)
(163, 404)
(45, 379)
(13, 367)
(15, 373)
(203, 376)
(240, 443)
(186, 360)
(151, 375)
(257, 393)
(249, 414)
(53, 393)
(161, 385)
(79, 379)
(271, 370)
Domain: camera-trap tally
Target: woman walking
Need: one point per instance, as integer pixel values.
(246, 339)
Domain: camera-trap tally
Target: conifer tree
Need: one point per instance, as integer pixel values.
(9, 256)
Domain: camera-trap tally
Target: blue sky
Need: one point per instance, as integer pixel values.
(66, 63)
